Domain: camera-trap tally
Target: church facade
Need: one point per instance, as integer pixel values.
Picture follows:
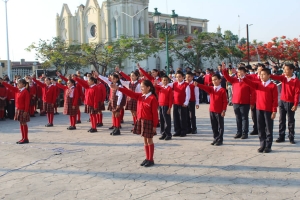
(92, 23)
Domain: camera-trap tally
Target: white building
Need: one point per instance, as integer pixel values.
(92, 23)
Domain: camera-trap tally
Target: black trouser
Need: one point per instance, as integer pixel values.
(265, 128)
(242, 117)
(285, 109)
(191, 117)
(165, 121)
(217, 124)
(204, 96)
(180, 119)
(254, 119)
(11, 109)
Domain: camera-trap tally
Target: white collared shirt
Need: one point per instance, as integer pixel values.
(147, 95)
(288, 79)
(265, 84)
(217, 87)
(196, 91)
(92, 85)
(71, 95)
(22, 89)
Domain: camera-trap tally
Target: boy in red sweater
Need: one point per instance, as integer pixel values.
(243, 98)
(165, 101)
(288, 101)
(217, 107)
(266, 108)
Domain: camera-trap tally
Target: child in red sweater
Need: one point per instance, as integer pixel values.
(165, 101)
(70, 101)
(147, 116)
(22, 105)
(3, 95)
(217, 107)
(32, 92)
(49, 98)
(266, 108)
(288, 103)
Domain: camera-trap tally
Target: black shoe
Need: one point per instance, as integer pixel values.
(162, 137)
(113, 131)
(99, 125)
(78, 122)
(72, 128)
(111, 127)
(194, 132)
(149, 163)
(260, 150)
(49, 125)
(93, 130)
(69, 127)
(267, 150)
(280, 139)
(182, 135)
(244, 136)
(56, 113)
(292, 141)
(32, 115)
(23, 142)
(254, 133)
(237, 136)
(122, 121)
(144, 162)
(117, 132)
(168, 138)
(176, 134)
(89, 130)
(218, 143)
(213, 143)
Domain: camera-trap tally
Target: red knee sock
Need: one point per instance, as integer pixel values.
(114, 120)
(51, 115)
(151, 151)
(49, 118)
(73, 120)
(79, 115)
(118, 121)
(93, 121)
(98, 118)
(25, 128)
(147, 152)
(31, 110)
(22, 132)
(101, 118)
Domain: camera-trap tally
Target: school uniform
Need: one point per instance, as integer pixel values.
(182, 94)
(92, 100)
(218, 104)
(32, 92)
(266, 104)
(165, 102)
(3, 96)
(102, 95)
(289, 97)
(10, 104)
(49, 99)
(208, 82)
(191, 113)
(57, 102)
(243, 97)
(22, 106)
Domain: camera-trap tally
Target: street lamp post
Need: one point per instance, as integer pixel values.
(7, 44)
(248, 48)
(167, 30)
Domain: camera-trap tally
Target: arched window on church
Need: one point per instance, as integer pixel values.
(140, 26)
(158, 63)
(115, 31)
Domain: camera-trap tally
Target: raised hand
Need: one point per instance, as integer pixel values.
(223, 66)
(117, 68)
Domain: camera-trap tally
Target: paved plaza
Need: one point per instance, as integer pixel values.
(62, 164)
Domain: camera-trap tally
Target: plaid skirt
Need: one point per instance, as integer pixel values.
(48, 108)
(40, 104)
(144, 128)
(2, 103)
(68, 107)
(19, 116)
(90, 110)
(101, 106)
(131, 104)
(32, 102)
(110, 107)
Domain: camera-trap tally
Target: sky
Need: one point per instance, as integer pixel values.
(31, 20)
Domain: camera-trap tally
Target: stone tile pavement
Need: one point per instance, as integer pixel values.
(62, 164)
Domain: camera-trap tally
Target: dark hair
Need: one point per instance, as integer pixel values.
(261, 65)
(47, 78)
(148, 83)
(136, 73)
(190, 73)
(217, 75)
(72, 81)
(290, 66)
(93, 79)
(117, 76)
(156, 70)
(180, 72)
(25, 83)
(165, 76)
(53, 79)
(268, 71)
(242, 69)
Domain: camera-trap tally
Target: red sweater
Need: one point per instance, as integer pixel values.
(22, 98)
(91, 96)
(208, 80)
(179, 93)
(146, 109)
(165, 96)
(290, 89)
(49, 92)
(32, 91)
(218, 100)
(75, 94)
(243, 94)
(10, 95)
(78, 87)
(101, 92)
(3, 92)
(267, 97)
